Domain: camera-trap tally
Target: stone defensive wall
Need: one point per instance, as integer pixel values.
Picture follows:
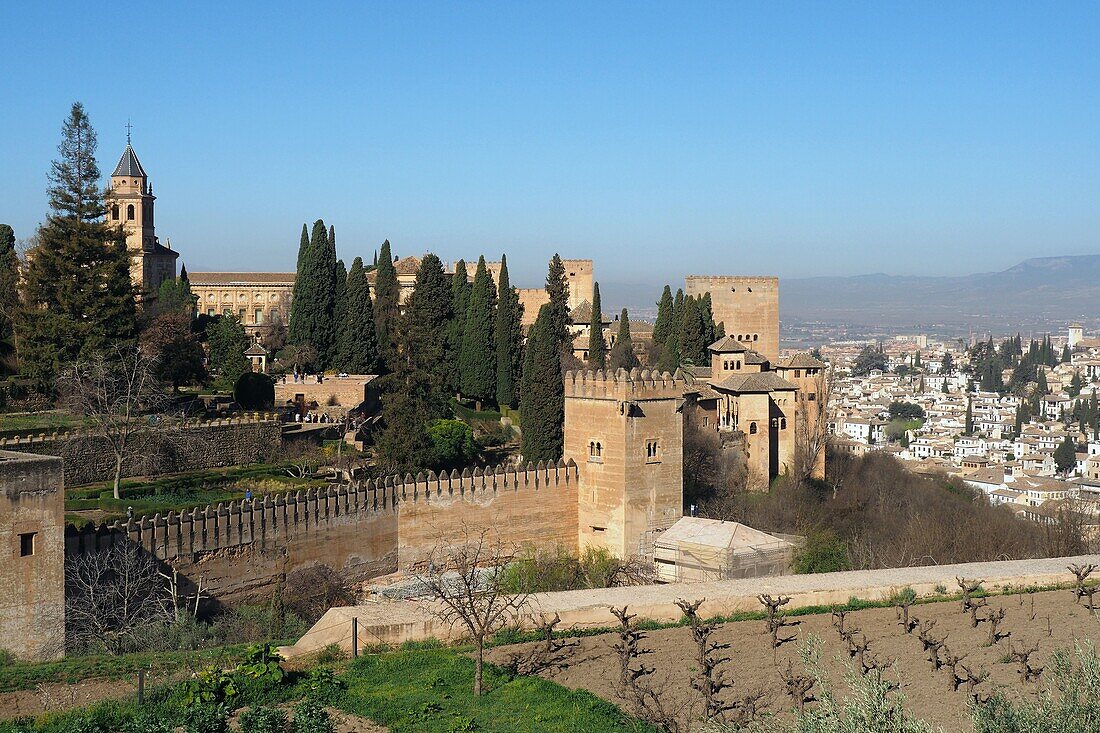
(179, 447)
(395, 622)
(238, 550)
(624, 385)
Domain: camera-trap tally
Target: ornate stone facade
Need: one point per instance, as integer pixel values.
(258, 299)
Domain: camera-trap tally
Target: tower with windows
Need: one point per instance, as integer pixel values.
(130, 205)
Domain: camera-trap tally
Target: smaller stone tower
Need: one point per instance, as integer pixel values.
(580, 275)
(1076, 333)
(625, 431)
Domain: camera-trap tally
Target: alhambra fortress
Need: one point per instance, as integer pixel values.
(619, 485)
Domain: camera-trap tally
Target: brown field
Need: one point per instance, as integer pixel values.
(1049, 619)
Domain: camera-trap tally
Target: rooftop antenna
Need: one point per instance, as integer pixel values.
(128, 128)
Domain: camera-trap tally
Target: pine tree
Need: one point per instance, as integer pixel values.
(228, 342)
(662, 328)
(508, 338)
(357, 349)
(460, 302)
(622, 353)
(597, 349)
(947, 364)
(542, 396)
(477, 362)
(387, 300)
(558, 289)
(691, 340)
(77, 295)
(313, 308)
(9, 282)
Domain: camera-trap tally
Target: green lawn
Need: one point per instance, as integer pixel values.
(430, 691)
(37, 422)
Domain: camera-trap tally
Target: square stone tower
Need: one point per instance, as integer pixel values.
(626, 433)
(32, 556)
(748, 306)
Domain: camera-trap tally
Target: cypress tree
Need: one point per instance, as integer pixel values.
(477, 362)
(77, 294)
(313, 310)
(185, 286)
(691, 340)
(1065, 456)
(1067, 357)
(662, 328)
(357, 349)
(706, 314)
(597, 349)
(9, 282)
(460, 302)
(340, 307)
(1044, 388)
(421, 336)
(542, 397)
(303, 247)
(622, 353)
(508, 338)
(387, 299)
(968, 427)
(558, 289)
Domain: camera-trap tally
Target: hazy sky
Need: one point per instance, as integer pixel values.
(658, 139)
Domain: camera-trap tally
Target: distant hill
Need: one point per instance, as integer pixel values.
(1039, 292)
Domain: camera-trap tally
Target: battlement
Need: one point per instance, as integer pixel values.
(273, 519)
(14, 442)
(637, 384)
(764, 280)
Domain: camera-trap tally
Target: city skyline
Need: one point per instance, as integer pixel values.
(659, 143)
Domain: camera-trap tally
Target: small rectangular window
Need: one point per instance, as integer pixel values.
(599, 529)
(26, 544)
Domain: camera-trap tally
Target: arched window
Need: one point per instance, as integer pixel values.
(752, 428)
(783, 423)
(599, 450)
(114, 212)
(738, 363)
(130, 212)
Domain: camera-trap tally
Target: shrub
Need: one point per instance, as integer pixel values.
(263, 720)
(145, 722)
(310, 716)
(823, 552)
(330, 653)
(202, 718)
(254, 391)
(453, 442)
(324, 686)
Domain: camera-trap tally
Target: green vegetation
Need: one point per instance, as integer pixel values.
(357, 341)
(453, 441)
(477, 360)
(622, 353)
(39, 422)
(597, 348)
(508, 338)
(823, 552)
(428, 691)
(542, 397)
(228, 342)
(562, 569)
(313, 308)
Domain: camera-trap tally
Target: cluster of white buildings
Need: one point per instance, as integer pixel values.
(1010, 467)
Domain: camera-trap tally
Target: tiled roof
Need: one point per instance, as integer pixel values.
(128, 164)
(407, 265)
(582, 315)
(801, 361)
(755, 357)
(762, 382)
(241, 278)
(728, 345)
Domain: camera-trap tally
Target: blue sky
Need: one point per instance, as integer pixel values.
(659, 139)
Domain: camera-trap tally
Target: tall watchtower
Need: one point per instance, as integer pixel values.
(625, 431)
(130, 205)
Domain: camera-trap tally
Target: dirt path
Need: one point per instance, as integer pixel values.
(1050, 620)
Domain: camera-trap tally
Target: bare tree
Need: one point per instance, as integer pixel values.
(115, 392)
(811, 433)
(312, 590)
(112, 597)
(464, 578)
(647, 700)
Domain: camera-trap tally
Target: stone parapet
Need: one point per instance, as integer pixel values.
(637, 384)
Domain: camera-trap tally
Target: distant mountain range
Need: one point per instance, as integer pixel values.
(1042, 292)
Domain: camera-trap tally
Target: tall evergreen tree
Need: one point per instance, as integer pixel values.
(477, 362)
(357, 348)
(508, 338)
(542, 397)
(710, 329)
(662, 328)
(622, 353)
(558, 288)
(340, 307)
(947, 364)
(597, 349)
(77, 295)
(1067, 357)
(1044, 388)
(9, 282)
(421, 337)
(1065, 456)
(404, 445)
(692, 343)
(313, 309)
(303, 247)
(387, 300)
(968, 425)
(460, 302)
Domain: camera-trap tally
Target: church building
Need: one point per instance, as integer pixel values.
(130, 205)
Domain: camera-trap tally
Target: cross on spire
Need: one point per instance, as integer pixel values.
(128, 128)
